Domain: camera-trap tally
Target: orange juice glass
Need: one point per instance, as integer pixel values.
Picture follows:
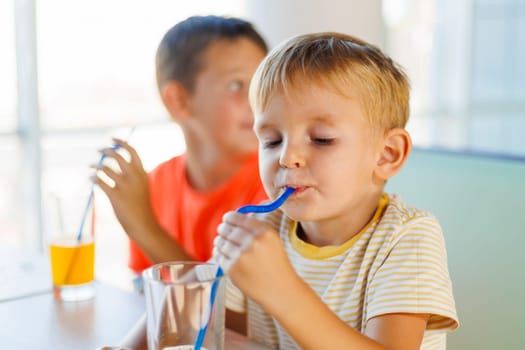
(71, 246)
(72, 267)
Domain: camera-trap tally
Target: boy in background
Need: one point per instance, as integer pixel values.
(342, 265)
(204, 65)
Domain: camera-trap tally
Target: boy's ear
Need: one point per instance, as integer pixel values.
(396, 146)
(175, 97)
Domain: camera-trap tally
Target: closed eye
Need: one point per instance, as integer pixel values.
(323, 141)
(271, 143)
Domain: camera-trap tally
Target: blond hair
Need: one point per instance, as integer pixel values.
(337, 61)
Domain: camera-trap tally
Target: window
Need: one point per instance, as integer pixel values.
(7, 69)
(95, 80)
(9, 144)
(465, 62)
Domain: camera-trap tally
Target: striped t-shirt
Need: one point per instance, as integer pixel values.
(396, 264)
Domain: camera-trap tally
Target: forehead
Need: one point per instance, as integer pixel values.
(226, 55)
(310, 102)
(294, 79)
(309, 94)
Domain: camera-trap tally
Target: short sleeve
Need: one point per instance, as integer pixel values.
(414, 277)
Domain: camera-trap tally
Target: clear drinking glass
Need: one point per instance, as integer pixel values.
(179, 304)
(72, 256)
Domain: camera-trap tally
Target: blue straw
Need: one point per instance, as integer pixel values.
(92, 191)
(90, 200)
(88, 204)
(265, 208)
(202, 330)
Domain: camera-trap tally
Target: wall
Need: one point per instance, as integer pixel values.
(278, 20)
(479, 203)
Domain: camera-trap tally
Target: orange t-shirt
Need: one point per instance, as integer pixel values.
(191, 217)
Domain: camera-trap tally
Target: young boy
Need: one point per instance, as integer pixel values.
(341, 265)
(204, 65)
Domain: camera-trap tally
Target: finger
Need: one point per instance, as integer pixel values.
(229, 232)
(134, 157)
(113, 175)
(246, 221)
(224, 259)
(123, 164)
(219, 258)
(233, 218)
(107, 189)
(225, 263)
(214, 254)
(119, 141)
(236, 235)
(233, 250)
(226, 247)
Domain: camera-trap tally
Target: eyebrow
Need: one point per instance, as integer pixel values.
(324, 118)
(327, 119)
(262, 126)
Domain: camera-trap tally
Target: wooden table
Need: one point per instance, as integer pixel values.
(34, 320)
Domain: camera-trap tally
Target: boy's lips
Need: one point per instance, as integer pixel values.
(298, 189)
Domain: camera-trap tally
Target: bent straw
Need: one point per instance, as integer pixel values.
(202, 330)
(92, 190)
(89, 201)
(264, 208)
(86, 210)
(75, 251)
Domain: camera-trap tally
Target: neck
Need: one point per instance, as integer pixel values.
(340, 229)
(208, 169)
(208, 165)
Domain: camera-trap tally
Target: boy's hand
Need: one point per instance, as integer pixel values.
(252, 254)
(129, 196)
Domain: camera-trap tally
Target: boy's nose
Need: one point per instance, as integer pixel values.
(291, 157)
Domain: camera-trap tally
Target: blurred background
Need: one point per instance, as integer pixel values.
(73, 74)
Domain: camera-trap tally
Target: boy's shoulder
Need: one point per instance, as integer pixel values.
(170, 165)
(398, 208)
(168, 174)
(400, 219)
